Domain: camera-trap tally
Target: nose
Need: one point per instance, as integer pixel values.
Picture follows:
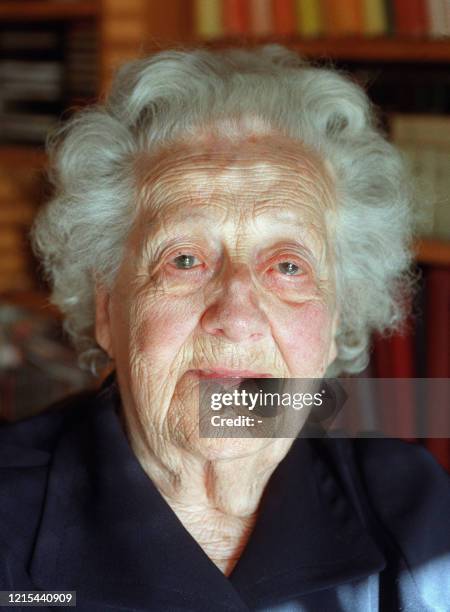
(235, 315)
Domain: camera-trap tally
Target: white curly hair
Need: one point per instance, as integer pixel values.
(79, 235)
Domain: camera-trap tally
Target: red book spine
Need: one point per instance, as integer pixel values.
(382, 369)
(410, 17)
(438, 351)
(402, 358)
(381, 357)
(235, 17)
(284, 18)
(422, 18)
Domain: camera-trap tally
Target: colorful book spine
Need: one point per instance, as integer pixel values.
(438, 18)
(374, 18)
(401, 346)
(438, 356)
(390, 17)
(235, 17)
(309, 18)
(343, 18)
(208, 19)
(260, 17)
(410, 17)
(284, 17)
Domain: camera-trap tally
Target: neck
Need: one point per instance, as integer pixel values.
(216, 500)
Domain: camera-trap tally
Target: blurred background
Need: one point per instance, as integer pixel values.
(58, 55)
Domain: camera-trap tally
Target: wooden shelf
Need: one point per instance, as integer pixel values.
(436, 252)
(394, 49)
(21, 155)
(37, 10)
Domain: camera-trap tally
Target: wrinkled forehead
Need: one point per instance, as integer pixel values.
(243, 177)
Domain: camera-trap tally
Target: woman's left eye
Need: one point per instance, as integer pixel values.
(290, 269)
(185, 261)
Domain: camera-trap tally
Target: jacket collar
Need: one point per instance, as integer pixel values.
(108, 533)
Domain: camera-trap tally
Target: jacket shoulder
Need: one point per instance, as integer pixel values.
(26, 448)
(29, 441)
(401, 475)
(409, 493)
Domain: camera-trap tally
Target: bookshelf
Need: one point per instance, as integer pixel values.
(381, 49)
(432, 252)
(38, 10)
(15, 154)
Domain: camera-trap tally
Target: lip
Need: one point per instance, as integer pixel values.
(227, 373)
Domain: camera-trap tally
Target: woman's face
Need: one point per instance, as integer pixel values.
(229, 265)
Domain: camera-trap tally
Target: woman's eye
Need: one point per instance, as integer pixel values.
(185, 262)
(290, 269)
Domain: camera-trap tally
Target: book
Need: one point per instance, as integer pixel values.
(374, 17)
(34, 78)
(342, 18)
(121, 8)
(390, 17)
(81, 62)
(170, 21)
(410, 17)
(425, 143)
(260, 17)
(124, 30)
(16, 213)
(402, 351)
(235, 17)
(26, 127)
(284, 17)
(208, 19)
(438, 356)
(437, 18)
(309, 18)
(11, 238)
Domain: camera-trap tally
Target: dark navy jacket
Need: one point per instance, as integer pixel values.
(344, 525)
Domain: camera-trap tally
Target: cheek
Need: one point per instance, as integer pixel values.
(304, 338)
(159, 330)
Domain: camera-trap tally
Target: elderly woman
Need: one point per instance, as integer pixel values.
(233, 214)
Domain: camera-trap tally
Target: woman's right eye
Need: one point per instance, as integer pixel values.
(185, 262)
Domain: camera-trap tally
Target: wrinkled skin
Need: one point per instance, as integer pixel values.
(241, 211)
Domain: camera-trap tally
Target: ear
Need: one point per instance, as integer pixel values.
(102, 319)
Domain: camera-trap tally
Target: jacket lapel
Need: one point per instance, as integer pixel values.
(315, 537)
(108, 533)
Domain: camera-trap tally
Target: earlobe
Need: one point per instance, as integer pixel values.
(102, 319)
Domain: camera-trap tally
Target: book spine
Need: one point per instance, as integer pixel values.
(409, 16)
(374, 18)
(309, 18)
(284, 17)
(343, 19)
(402, 357)
(436, 18)
(438, 355)
(235, 17)
(390, 17)
(208, 18)
(261, 18)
